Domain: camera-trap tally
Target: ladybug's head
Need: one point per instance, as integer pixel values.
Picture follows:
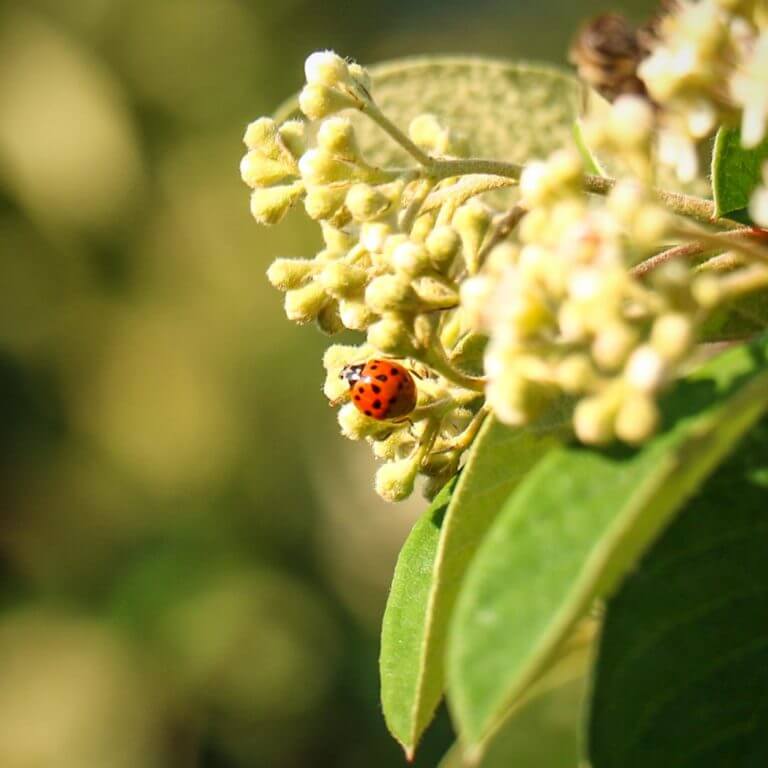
(351, 373)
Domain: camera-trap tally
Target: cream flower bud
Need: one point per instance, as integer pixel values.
(575, 373)
(335, 239)
(322, 202)
(318, 167)
(304, 304)
(392, 336)
(261, 135)
(343, 280)
(357, 426)
(672, 335)
(471, 221)
(360, 75)
(395, 480)
(758, 206)
(645, 369)
(422, 227)
(366, 203)
(319, 101)
(328, 319)
(270, 204)
(373, 235)
(637, 419)
(287, 274)
(426, 132)
(355, 314)
(707, 291)
(631, 121)
(411, 258)
(326, 68)
(442, 244)
(258, 170)
(475, 293)
(397, 445)
(612, 345)
(390, 293)
(593, 420)
(293, 135)
(535, 184)
(337, 136)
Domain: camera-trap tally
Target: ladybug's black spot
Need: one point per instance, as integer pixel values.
(393, 400)
(376, 389)
(374, 367)
(400, 386)
(361, 390)
(382, 377)
(377, 404)
(367, 413)
(357, 397)
(394, 371)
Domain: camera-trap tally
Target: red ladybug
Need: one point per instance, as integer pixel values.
(381, 389)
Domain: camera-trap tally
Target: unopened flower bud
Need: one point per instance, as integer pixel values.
(442, 244)
(395, 480)
(322, 203)
(334, 359)
(366, 203)
(328, 319)
(471, 221)
(360, 75)
(645, 369)
(637, 419)
(357, 426)
(373, 236)
(612, 345)
(336, 240)
(326, 68)
(593, 420)
(631, 121)
(342, 280)
(411, 258)
(426, 132)
(302, 305)
(319, 101)
(397, 445)
(293, 135)
(575, 373)
(258, 170)
(707, 291)
(391, 335)
(355, 314)
(319, 167)
(287, 274)
(261, 135)
(270, 204)
(475, 293)
(390, 293)
(672, 335)
(337, 136)
(422, 227)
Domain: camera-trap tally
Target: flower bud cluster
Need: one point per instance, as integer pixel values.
(566, 317)
(710, 65)
(429, 443)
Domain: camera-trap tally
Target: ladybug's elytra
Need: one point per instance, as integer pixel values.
(381, 389)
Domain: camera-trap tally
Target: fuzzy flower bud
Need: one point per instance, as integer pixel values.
(342, 280)
(392, 336)
(355, 314)
(303, 305)
(411, 258)
(328, 319)
(373, 236)
(631, 121)
(270, 204)
(261, 135)
(426, 132)
(593, 420)
(645, 369)
(258, 170)
(326, 68)
(395, 480)
(320, 167)
(334, 359)
(443, 243)
(366, 203)
(672, 335)
(471, 221)
(337, 136)
(319, 101)
(390, 293)
(293, 135)
(612, 345)
(287, 274)
(637, 419)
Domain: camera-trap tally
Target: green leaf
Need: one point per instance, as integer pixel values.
(508, 111)
(432, 565)
(682, 675)
(735, 173)
(575, 525)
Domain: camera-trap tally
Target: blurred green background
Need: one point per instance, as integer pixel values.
(193, 563)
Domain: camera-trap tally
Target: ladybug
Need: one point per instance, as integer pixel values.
(381, 389)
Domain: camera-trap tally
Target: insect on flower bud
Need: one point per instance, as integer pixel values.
(303, 305)
(411, 258)
(287, 274)
(258, 170)
(270, 204)
(443, 244)
(366, 203)
(392, 336)
(637, 419)
(334, 359)
(390, 293)
(319, 101)
(395, 480)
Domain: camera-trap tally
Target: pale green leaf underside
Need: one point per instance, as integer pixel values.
(735, 171)
(574, 526)
(508, 111)
(421, 600)
(682, 674)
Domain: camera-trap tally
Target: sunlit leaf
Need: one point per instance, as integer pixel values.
(735, 172)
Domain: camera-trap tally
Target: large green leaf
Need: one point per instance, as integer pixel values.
(432, 565)
(574, 526)
(735, 172)
(508, 111)
(682, 674)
